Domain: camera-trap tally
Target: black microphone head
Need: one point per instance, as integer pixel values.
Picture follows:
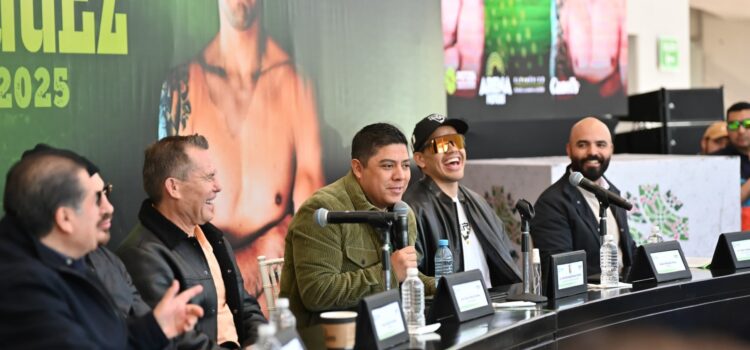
(321, 217)
(401, 208)
(575, 178)
(525, 209)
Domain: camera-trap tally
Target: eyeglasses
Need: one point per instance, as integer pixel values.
(735, 125)
(106, 191)
(442, 144)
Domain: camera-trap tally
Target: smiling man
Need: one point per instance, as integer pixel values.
(334, 267)
(567, 217)
(447, 210)
(175, 240)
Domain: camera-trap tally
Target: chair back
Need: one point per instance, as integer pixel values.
(270, 272)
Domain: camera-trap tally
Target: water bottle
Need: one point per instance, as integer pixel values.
(536, 272)
(267, 338)
(443, 261)
(608, 262)
(282, 317)
(655, 236)
(412, 299)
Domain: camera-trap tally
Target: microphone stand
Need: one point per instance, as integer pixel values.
(385, 251)
(601, 196)
(526, 211)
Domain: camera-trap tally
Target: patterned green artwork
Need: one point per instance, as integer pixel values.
(517, 36)
(505, 208)
(651, 207)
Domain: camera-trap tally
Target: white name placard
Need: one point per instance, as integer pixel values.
(570, 275)
(741, 249)
(470, 295)
(387, 320)
(667, 261)
(294, 344)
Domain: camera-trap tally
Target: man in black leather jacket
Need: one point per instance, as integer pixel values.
(175, 240)
(446, 210)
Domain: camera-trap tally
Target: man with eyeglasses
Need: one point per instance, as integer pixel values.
(446, 210)
(49, 298)
(107, 266)
(738, 128)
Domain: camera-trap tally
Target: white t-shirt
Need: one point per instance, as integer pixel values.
(474, 258)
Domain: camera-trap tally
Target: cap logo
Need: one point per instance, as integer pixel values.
(437, 118)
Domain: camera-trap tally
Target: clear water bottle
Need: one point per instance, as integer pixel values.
(412, 299)
(608, 262)
(443, 260)
(282, 317)
(655, 236)
(536, 272)
(267, 338)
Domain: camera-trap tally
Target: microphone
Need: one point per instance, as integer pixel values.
(324, 217)
(577, 179)
(401, 209)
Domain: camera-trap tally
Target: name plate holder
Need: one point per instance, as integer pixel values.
(462, 295)
(380, 321)
(662, 261)
(732, 251)
(567, 275)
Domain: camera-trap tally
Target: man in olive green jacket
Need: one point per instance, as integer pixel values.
(334, 267)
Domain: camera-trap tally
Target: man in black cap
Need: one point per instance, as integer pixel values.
(446, 210)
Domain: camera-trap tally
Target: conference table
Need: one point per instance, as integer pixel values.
(710, 303)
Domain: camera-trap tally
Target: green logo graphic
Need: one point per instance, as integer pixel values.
(651, 207)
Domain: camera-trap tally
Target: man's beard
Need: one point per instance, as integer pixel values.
(592, 174)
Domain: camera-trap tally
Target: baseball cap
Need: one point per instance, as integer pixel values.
(429, 124)
(716, 130)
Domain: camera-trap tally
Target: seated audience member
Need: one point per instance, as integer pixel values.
(49, 299)
(447, 210)
(175, 240)
(715, 138)
(567, 217)
(107, 266)
(738, 123)
(335, 266)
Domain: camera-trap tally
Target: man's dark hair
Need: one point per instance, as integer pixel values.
(39, 184)
(167, 158)
(368, 140)
(739, 106)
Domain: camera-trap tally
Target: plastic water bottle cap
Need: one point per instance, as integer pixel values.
(443, 243)
(282, 302)
(535, 259)
(412, 271)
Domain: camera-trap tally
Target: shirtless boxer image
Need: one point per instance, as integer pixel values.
(243, 94)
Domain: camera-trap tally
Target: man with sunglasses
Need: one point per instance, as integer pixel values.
(446, 210)
(49, 298)
(738, 128)
(107, 266)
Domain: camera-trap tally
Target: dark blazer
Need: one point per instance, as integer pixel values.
(157, 252)
(116, 279)
(46, 302)
(437, 218)
(564, 222)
